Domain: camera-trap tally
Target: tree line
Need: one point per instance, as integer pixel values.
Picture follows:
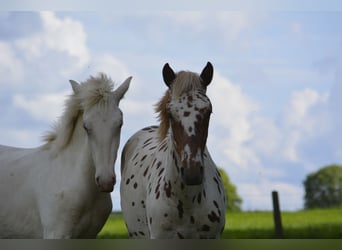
(323, 189)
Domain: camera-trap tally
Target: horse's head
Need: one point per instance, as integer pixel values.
(188, 111)
(102, 121)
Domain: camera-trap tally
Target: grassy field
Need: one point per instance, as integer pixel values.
(322, 224)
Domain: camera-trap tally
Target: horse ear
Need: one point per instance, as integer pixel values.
(75, 86)
(168, 74)
(207, 74)
(122, 89)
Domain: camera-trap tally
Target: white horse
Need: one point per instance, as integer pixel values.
(62, 188)
(170, 186)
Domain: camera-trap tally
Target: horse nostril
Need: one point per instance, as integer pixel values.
(97, 179)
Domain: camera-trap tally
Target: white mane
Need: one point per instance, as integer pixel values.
(89, 93)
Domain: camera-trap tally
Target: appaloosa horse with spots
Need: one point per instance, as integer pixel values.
(170, 186)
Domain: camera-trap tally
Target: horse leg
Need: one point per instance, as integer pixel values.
(54, 229)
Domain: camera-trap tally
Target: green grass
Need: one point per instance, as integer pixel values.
(320, 223)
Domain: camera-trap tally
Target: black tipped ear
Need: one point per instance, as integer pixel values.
(168, 74)
(207, 74)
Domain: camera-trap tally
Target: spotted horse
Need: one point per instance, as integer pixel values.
(170, 186)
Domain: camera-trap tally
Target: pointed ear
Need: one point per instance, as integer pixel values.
(168, 74)
(122, 89)
(207, 74)
(75, 86)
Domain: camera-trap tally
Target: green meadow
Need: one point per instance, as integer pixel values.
(310, 224)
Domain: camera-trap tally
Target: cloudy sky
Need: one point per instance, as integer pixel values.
(276, 92)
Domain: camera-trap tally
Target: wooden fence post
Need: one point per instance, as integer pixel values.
(277, 216)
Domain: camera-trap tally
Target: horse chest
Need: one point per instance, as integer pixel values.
(178, 211)
(184, 219)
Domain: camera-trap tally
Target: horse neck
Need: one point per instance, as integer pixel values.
(77, 150)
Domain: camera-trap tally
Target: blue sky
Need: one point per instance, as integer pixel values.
(276, 91)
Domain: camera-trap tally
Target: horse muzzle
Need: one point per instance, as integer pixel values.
(105, 185)
(193, 175)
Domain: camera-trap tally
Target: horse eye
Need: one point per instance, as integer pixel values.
(86, 128)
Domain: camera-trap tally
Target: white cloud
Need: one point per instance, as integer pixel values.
(20, 137)
(43, 107)
(10, 66)
(111, 66)
(228, 25)
(258, 196)
(255, 147)
(298, 111)
(302, 119)
(231, 113)
(61, 35)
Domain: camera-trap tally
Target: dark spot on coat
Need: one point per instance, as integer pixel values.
(146, 170)
(176, 165)
(180, 209)
(157, 188)
(218, 185)
(127, 181)
(186, 113)
(167, 188)
(215, 204)
(205, 228)
(163, 147)
(199, 197)
(180, 235)
(143, 158)
(213, 217)
(135, 185)
(161, 171)
(135, 156)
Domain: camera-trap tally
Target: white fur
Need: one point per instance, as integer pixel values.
(62, 188)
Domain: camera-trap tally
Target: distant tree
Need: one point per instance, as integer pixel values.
(323, 188)
(233, 200)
